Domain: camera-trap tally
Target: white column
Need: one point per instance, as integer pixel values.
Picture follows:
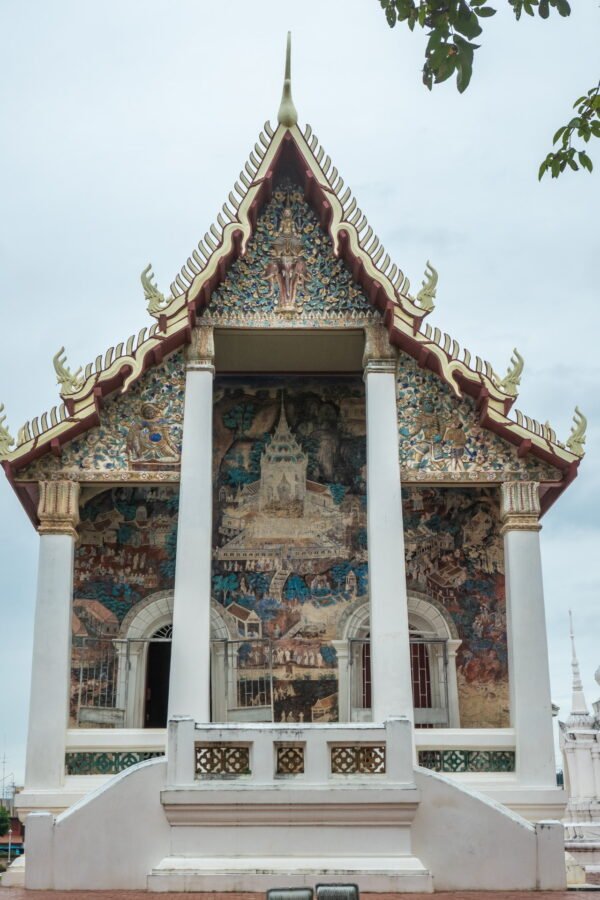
(58, 513)
(342, 650)
(189, 689)
(390, 649)
(528, 669)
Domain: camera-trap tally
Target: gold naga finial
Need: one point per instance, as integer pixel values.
(426, 295)
(6, 441)
(69, 382)
(156, 300)
(511, 381)
(576, 439)
(287, 114)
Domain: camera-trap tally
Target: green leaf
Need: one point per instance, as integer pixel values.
(559, 134)
(485, 12)
(563, 8)
(544, 9)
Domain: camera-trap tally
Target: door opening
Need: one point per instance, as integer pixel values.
(157, 684)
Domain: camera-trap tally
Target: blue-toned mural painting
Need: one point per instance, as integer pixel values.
(454, 554)
(290, 546)
(127, 545)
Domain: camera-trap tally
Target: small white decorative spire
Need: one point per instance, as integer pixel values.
(287, 114)
(579, 715)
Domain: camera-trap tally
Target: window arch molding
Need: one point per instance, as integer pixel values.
(426, 616)
(140, 624)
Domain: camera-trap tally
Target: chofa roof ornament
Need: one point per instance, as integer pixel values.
(6, 441)
(287, 114)
(576, 439)
(426, 295)
(156, 299)
(511, 381)
(70, 382)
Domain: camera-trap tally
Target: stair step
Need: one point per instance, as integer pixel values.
(375, 874)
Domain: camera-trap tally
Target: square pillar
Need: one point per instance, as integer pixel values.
(189, 687)
(58, 513)
(528, 668)
(390, 649)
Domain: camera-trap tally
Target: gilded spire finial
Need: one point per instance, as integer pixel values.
(287, 114)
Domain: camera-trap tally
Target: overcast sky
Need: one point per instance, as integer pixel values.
(124, 125)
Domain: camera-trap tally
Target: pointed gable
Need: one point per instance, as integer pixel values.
(328, 294)
(343, 277)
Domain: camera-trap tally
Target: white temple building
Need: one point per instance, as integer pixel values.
(580, 747)
(290, 618)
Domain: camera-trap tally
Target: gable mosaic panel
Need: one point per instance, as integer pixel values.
(290, 544)
(139, 432)
(441, 439)
(454, 554)
(290, 273)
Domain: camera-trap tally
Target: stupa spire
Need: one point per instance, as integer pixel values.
(287, 114)
(579, 711)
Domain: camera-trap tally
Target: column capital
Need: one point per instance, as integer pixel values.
(200, 352)
(58, 507)
(520, 506)
(379, 355)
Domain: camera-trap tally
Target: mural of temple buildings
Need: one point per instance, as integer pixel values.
(290, 528)
(454, 555)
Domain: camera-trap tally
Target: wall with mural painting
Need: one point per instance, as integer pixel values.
(290, 546)
(126, 551)
(454, 554)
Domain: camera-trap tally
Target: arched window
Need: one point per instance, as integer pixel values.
(433, 646)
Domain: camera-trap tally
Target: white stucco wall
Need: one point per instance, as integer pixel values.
(468, 842)
(109, 840)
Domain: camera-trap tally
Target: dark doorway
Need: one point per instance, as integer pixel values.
(157, 684)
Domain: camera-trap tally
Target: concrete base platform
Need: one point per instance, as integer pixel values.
(380, 875)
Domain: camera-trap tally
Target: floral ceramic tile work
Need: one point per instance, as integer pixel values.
(289, 272)
(441, 438)
(290, 543)
(139, 432)
(454, 554)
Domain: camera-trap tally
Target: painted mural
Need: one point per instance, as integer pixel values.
(290, 546)
(126, 552)
(139, 432)
(441, 438)
(454, 554)
(290, 271)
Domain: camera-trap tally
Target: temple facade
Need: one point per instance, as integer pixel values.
(290, 535)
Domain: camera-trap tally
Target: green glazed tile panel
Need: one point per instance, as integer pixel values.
(468, 760)
(105, 763)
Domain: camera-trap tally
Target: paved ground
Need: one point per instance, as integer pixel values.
(21, 894)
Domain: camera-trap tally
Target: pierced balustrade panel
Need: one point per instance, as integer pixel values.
(290, 760)
(361, 759)
(222, 759)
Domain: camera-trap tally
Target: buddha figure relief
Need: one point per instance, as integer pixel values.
(287, 270)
